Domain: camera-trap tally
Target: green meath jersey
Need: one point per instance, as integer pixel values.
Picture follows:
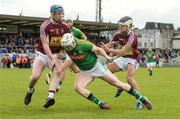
(77, 33)
(150, 55)
(82, 55)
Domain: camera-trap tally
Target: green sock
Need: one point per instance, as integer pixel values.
(94, 99)
(134, 93)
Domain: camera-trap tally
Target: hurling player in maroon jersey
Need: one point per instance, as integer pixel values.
(127, 56)
(51, 32)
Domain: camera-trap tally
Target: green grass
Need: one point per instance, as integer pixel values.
(163, 89)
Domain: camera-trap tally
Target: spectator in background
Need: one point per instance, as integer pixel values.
(19, 61)
(166, 56)
(13, 59)
(157, 58)
(4, 61)
(24, 61)
(8, 62)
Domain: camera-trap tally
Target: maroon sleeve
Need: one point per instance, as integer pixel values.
(66, 28)
(131, 38)
(115, 37)
(43, 30)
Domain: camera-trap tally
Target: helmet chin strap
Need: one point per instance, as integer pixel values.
(56, 21)
(123, 33)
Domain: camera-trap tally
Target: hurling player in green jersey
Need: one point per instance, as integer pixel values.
(84, 55)
(150, 60)
(75, 31)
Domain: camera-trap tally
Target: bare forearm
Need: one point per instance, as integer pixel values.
(120, 52)
(116, 52)
(110, 45)
(102, 53)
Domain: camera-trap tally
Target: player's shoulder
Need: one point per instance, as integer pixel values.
(75, 28)
(65, 25)
(133, 33)
(45, 23)
(83, 42)
(116, 36)
(117, 33)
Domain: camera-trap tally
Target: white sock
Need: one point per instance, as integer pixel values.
(51, 94)
(30, 90)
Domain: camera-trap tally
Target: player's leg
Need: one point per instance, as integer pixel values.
(130, 79)
(113, 67)
(82, 81)
(113, 80)
(149, 68)
(38, 67)
(67, 63)
(61, 77)
(56, 74)
(119, 64)
(48, 79)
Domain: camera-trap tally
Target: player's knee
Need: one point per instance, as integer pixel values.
(78, 88)
(58, 72)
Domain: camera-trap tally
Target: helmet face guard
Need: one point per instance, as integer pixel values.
(68, 48)
(124, 33)
(67, 42)
(69, 20)
(128, 21)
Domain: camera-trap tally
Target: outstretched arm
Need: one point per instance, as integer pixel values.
(100, 51)
(125, 50)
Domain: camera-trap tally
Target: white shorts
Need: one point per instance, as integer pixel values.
(150, 64)
(44, 58)
(98, 70)
(123, 63)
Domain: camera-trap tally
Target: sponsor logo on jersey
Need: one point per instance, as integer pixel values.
(55, 41)
(79, 57)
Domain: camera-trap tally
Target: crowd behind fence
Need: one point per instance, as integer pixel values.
(17, 50)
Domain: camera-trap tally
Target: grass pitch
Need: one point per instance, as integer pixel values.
(163, 89)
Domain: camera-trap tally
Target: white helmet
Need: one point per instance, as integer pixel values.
(126, 21)
(67, 40)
